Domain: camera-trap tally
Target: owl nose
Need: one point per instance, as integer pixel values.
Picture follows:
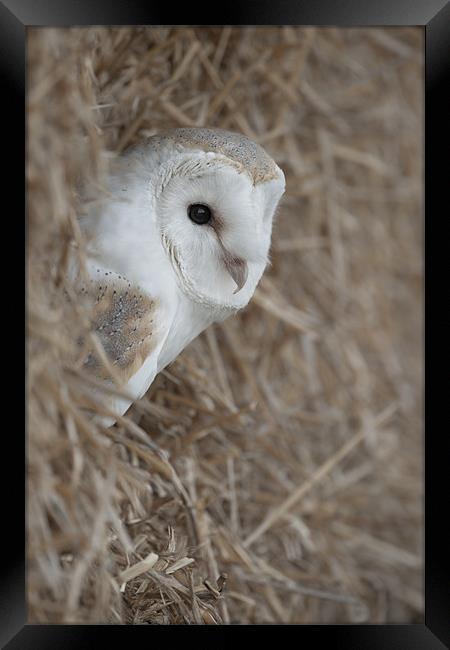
(236, 267)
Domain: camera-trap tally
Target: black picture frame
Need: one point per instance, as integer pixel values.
(434, 16)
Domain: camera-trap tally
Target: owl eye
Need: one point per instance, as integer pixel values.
(199, 213)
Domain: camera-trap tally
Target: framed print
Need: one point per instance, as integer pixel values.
(230, 336)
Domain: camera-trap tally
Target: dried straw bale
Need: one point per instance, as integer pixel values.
(273, 473)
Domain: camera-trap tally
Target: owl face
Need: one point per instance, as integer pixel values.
(215, 202)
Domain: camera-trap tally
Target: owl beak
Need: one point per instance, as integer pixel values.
(236, 267)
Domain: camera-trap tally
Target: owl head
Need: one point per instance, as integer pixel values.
(214, 194)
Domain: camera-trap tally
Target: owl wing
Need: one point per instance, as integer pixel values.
(131, 326)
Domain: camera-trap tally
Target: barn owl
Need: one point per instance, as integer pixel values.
(180, 242)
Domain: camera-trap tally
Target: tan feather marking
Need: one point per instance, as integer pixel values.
(239, 149)
(235, 146)
(123, 317)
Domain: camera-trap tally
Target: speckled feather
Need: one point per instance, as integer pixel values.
(249, 156)
(123, 317)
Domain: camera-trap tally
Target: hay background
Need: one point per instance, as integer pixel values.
(305, 408)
